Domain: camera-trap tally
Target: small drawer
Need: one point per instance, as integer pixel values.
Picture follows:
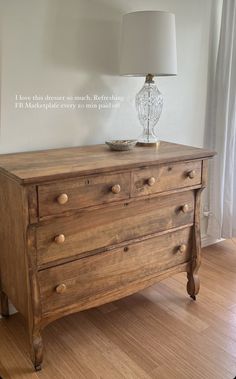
(156, 179)
(94, 229)
(93, 280)
(83, 192)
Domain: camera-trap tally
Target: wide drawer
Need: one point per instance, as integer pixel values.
(83, 192)
(156, 179)
(95, 229)
(89, 281)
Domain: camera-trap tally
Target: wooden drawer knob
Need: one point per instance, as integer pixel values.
(61, 288)
(116, 188)
(151, 181)
(182, 248)
(60, 239)
(192, 174)
(185, 208)
(62, 199)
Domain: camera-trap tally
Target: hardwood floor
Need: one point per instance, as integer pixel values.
(158, 333)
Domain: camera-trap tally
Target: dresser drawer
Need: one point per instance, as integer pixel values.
(82, 192)
(88, 282)
(156, 179)
(95, 229)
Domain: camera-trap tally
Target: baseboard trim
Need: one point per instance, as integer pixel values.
(207, 240)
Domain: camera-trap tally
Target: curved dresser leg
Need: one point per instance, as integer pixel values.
(4, 304)
(193, 284)
(36, 342)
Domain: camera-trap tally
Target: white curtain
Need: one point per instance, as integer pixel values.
(221, 129)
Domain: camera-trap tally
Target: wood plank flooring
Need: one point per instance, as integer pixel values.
(159, 333)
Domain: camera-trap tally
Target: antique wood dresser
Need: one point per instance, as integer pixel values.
(84, 226)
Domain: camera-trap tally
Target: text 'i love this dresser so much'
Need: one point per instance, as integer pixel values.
(84, 226)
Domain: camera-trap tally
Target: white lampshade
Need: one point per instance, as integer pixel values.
(148, 44)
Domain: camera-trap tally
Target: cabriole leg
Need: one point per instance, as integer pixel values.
(36, 344)
(193, 284)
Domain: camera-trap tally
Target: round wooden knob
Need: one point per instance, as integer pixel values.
(60, 239)
(185, 208)
(182, 248)
(192, 174)
(61, 288)
(151, 181)
(62, 199)
(116, 188)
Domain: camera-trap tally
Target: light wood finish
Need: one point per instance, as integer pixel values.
(116, 189)
(185, 208)
(13, 260)
(182, 248)
(61, 199)
(61, 288)
(96, 229)
(155, 334)
(151, 181)
(35, 308)
(157, 179)
(193, 284)
(60, 239)
(40, 166)
(82, 193)
(32, 204)
(192, 174)
(89, 281)
(81, 227)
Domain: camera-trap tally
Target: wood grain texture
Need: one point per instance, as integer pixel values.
(193, 284)
(156, 334)
(133, 287)
(13, 264)
(35, 167)
(91, 279)
(204, 173)
(165, 178)
(90, 230)
(75, 232)
(82, 193)
(35, 307)
(32, 204)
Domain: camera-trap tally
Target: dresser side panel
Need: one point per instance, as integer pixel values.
(13, 225)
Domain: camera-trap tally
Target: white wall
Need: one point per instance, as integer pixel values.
(70, 47)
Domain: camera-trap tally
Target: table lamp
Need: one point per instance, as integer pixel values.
(148, 48)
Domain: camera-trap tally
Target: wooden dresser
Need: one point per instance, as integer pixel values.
(84, 226)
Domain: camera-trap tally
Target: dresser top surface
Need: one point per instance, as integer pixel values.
(39, 166)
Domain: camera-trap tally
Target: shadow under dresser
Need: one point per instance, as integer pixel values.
(84, 226)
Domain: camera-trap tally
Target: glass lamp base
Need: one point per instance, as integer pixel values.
(149, 103)
(147, 138)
